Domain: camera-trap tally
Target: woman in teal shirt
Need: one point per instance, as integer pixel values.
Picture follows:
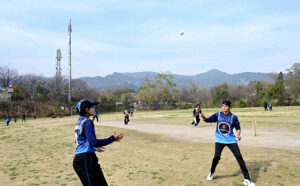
(225, 136)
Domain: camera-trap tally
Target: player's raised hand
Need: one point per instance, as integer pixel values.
(100, 149)
(118, 137)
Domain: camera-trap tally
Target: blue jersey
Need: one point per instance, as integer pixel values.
(7, 118)
(224, 129)
(86, 138)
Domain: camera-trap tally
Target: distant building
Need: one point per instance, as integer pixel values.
(5, 94)
(119, 103)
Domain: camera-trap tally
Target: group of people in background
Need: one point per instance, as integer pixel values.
(89, 171)
(266, 105)
(8, 119)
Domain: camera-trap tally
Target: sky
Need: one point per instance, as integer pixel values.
(132, 36)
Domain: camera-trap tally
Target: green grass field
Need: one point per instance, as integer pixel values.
(283, 118)
(40, 152)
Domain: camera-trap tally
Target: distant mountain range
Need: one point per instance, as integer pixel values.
(211, 78)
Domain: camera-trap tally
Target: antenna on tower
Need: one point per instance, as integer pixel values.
(70, 63)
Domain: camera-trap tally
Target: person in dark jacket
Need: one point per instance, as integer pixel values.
(23, 118)
(266, 106)
(95, 116)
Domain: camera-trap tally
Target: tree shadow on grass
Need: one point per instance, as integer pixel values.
(253, 167)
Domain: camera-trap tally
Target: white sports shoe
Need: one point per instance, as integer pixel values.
(248, 182)
(210, 177)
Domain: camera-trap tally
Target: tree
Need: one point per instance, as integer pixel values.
(269, 92)
(161, 89)
(280, 89)
(193, 92)
(220, 93)
(259, 88)
(42, 93)
(27, 85)
(118, 93)
(80, 90)
(7, 76)
(16, 93)
(293, 81)
(127, 99)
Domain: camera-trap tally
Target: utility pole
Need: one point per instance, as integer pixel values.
(70, 64)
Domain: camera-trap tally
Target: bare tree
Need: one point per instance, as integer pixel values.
(80, 90)
(28, 85)
(193, 92)
(7, 76)
(293, 81)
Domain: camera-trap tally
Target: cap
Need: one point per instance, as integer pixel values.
(85, 103)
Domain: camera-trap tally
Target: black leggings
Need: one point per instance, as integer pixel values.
(88, 170)
(95, 117)
(237, 154)
(197, 120)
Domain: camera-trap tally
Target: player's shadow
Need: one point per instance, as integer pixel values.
(253, 167)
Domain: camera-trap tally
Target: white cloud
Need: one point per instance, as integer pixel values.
(143, 35)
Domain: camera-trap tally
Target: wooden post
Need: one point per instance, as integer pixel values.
(254, 126)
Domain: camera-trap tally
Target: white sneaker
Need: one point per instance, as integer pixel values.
(210, 177)
(248, 182)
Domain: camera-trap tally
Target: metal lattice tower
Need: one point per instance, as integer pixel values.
(58, 63)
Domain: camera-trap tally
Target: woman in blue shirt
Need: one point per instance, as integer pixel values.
(7, 119)
(226, 121)
(85, 162)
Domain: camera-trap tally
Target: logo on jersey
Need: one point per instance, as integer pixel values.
(224, 128)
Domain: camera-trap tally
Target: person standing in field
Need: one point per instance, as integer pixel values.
(196, 115)
(95, 116)
(266, 106)
(85, 162)
(23, 118)
(126, 117)
(224, 137)
(131, 111)
(7, 119)
(16, 118)
(270, 106)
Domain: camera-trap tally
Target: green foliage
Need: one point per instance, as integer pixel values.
(184, 105)
(16, 93)
(127, 99)
(280, 89)
(240, 104)
(259, 88)
(42, 93)
(220, 93)
(159, 90)
(107, 104)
